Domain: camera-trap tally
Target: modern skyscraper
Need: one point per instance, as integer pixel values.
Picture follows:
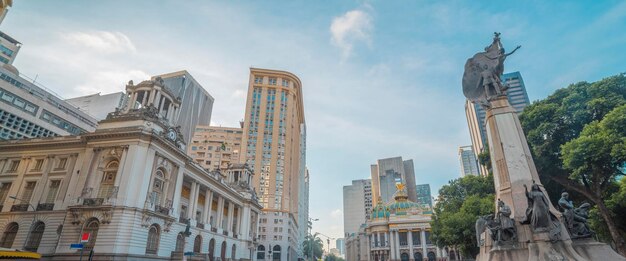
(197, 103)
(423, 194)
(98, 105)
(340, 244)
(518, 98)
(8, 48)
(215, 147)
(467, 159)
(357, 205)
(274, 138)
(387, 173)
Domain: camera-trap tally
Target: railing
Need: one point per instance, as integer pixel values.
(93, 202)
(214, 229)
(19, 207)
(225, 233)
(45, 206)
(182, 220)
(162, 210)
(200, 225)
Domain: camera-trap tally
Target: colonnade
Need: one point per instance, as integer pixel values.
(387, 245)
(228, 216)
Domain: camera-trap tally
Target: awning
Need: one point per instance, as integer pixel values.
(9, 254)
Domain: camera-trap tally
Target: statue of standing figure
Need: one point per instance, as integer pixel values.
(481, 79)
(501, 228)
(575, 218)
(538, 213)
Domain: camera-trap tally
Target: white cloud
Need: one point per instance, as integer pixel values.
(351, 27)
(103, 41)
(337, 213)
(111, 81)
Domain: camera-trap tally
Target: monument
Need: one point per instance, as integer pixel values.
(526, 225)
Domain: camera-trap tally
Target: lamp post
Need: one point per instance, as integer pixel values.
(310, 224)
(31, 223)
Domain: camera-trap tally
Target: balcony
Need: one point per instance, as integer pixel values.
(225, 233)
(19, 207)
(200, 225)
(214, 229)
(45, 206)
(183, 220)
(162, 210)
(93, 202)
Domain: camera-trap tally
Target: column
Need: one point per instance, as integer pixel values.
(177, 190)
(144, 98)
(39, 195)
(392, 244)
(220, 214)
(424, 249)
(239, 221)
(192, 201)
(207, 207)
(409, 236)
(231, 216)
(151, 98)
(157, 99)
(397, 239)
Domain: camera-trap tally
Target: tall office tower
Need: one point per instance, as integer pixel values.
(197, 103)
(303, 213)
(98, 105)
(423, 194)
(273, 139)
(30, 111)
(387, 173)
(518, 98)
(467, 159)
(215, 147)
(8, 48)
(340, 245)
(357, 205)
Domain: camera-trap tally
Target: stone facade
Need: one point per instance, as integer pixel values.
(130, 185)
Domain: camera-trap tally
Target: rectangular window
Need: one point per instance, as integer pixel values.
(38, 165)
(28, 191)
(62, 163)
(258, 79)
(272, 81)
(4, 191)
(52, 190)
(14, 165)
(285, 83)
(7, 97)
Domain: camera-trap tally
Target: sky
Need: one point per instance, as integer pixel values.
(380, 78)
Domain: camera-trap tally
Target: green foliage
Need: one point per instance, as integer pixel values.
(616, 203)
(333, 257)
(484, 158)
(315, 243)
(459, 205)
(578, 139)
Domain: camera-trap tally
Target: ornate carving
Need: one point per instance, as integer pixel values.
(167, 225)
(145, 219)
(107, 215)
(76, 216)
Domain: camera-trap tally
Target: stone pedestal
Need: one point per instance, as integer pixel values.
(513, 167)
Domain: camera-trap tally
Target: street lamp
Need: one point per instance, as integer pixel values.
(311, 237)
(31, 223)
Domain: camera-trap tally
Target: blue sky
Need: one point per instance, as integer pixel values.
(380, 78)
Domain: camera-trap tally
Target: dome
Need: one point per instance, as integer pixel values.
(402, 203)
(380, 211)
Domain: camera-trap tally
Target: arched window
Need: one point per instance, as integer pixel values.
(108, 179)
(260, 252)
(35, 237)
(232, 252)
(452, 255)
(432, 256)
(276, 253)
(212, 249)
(223, 254)
(91, 227)
(197, 244)
(404, 257)
(418, 256)
(157, 187)
(180, 242)
(154, 234)
(9, 235)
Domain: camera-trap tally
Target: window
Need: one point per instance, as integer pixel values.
(27, 194)
(38, 165)
(91, 226)
(197, 244)
(35, 237)
(62, 163)
(9, 235)
(180, 242)
(4, 191)
(276, 253)
(108, 180)
(14, 165)
(272, 81)
(211, 249)
(258, 79)
(157, 187)
(152, 246)
(52, 190)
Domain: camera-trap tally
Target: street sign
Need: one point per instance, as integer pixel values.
(85, 237)
(188, 253)
(76, 246)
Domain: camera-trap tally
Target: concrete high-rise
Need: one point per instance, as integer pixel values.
(197, 103)
(340, 244)
(357, 205)
(518, 98)
(423, 194)
(98, 105)
(274, 138)
(8, 48)
(467, 159)
(387, 173)
(215, 147)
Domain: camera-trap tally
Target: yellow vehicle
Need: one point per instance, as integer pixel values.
(13, 254)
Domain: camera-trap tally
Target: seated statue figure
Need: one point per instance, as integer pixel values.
(575, 218)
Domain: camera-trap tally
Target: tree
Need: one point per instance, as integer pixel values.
(333, 257)
(459, 205)
(572, 144)
(315, 243)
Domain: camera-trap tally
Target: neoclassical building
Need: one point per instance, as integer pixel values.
(396, 230)
(130, 185)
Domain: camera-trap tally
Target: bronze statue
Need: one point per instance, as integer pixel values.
(481, 79)
(538, 213)
(575, 219)
(501, 228)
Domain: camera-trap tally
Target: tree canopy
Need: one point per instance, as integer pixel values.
(333, 257)
(459, 204)
(577, 138)
(315, 243)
